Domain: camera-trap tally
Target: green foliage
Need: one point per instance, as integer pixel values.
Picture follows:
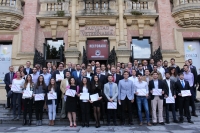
(60, 13)
(136, 13)
(135, 0)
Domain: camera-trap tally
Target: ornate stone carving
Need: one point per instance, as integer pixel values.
(186, 13)
(141, 22)
(10, 14)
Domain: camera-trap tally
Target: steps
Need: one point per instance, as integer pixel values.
(6, 116)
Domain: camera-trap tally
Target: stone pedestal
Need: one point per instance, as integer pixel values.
(123, 55)
(72, 55)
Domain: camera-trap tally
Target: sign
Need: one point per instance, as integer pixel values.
(97, 31)
(5, 60)
(97, 49)
(192, 50)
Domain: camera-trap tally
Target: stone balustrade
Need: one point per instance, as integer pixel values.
(50, 8)
(143, 6)
(11, 12)
(181, 5)
(96, 7)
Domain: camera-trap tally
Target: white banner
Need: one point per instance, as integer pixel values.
(5, 60)
(192, 51)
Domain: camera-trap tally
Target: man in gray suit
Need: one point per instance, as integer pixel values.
(111, 93)
(126, 96)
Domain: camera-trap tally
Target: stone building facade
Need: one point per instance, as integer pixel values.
(27, 24)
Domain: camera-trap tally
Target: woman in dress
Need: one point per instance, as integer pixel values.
(173, 74)
(96, 87)
(17, 94)
(52, 103)
(28, 101)
(39, 89)
(71, 102)
(85, 105)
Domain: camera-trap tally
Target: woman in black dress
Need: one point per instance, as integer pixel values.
(71, 102)
(96, 88)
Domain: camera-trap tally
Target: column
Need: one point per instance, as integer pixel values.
(73, 26)
(121, 24)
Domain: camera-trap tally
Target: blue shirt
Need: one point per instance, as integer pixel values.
(47, 78)
(111, 84)
(189, 77)
(27, 70)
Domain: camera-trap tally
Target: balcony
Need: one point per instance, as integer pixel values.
(53, 14)
(186, 13)
(140, 13)
(11, 14)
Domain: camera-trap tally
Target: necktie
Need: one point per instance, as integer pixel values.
(99, 76)
(183, 84)
(113, 78)
(110, 90)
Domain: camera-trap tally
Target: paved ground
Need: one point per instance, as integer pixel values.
(170, 128)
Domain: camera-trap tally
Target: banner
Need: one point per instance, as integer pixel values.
(97, 49)
(192, 50)
(5, 60)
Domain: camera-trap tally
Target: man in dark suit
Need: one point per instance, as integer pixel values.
(77, 73)
(165, 66)
(180, 85)
(157, 99)
(60, 72)
(195, 76)
(140, 69)
(102, 78)
(83, 75)
(28, 70)
(8, 81)
(116, 77)
(170, 92)
(146, 66)
(173, 64)
(151, 64)
(70, 69)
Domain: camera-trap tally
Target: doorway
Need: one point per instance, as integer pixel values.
(54, 51)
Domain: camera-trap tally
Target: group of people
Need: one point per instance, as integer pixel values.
(122, 88)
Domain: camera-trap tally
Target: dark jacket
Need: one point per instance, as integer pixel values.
(30, 71)
(7, 80)
(179, 86)
(172, 87)
(160, 86)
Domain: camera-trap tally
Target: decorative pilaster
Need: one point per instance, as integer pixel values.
(121, 24)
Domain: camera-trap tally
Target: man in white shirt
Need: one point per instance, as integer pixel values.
(47, 76)
(133, 78)
(34, 75)
(161, 69)
(141, 98)
(103, 70)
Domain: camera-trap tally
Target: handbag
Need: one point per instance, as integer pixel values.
(10, 93)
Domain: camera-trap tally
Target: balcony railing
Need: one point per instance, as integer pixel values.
(12, 7)
(96, 7)
(52, 8)
(143, 6)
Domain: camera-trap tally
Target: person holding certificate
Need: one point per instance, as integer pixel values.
(85, 105)
(157, 91)
(142, 93)
(39, 92)
(71, 102)
(183, 85)
(17, 86)
(111, 93)
(28, 101)
(96, 89)
(170, 93)
(52, 89)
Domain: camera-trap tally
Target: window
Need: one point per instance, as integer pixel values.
(141, 48)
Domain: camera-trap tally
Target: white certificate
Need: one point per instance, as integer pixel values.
(59, 77)
(27, 94)
(15, 88)
(185, 93)
(84, 96)
(141, 92)
(157, 92)
(170, 100)
(52, 96)
(70, 92)
(112, 105)
(94, 97)
(39, 97)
